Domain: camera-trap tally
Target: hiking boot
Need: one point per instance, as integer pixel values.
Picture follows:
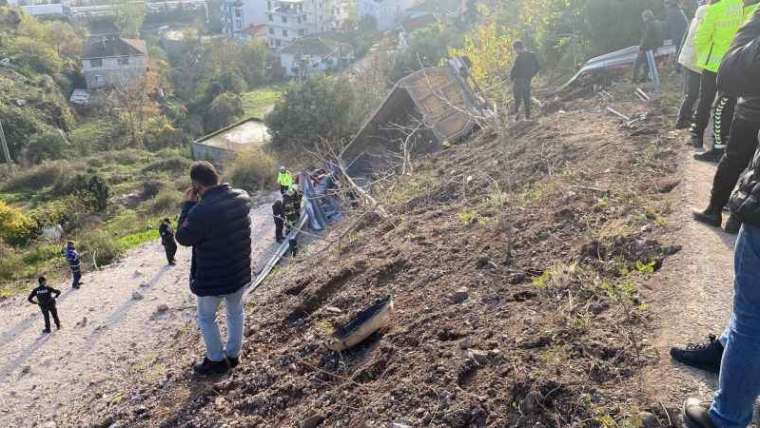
(696, 414)
(704, 356)
(733, 224)
(713, 156)
(233, 361)
(211, 368)
(709, 217)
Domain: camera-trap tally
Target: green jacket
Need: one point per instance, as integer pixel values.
(285, 179)
(719, 26)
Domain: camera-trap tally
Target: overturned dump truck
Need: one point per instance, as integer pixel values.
(422, 112)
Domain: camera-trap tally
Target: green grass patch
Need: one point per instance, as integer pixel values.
(134, 240)
(257, 103)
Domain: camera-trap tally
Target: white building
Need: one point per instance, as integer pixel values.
(315, 54)
(288, 20)
(387, 13)
(241, 15)
(110, 61)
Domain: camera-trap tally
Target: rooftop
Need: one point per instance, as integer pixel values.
(238, 136)
(111, 46)
(317, 46)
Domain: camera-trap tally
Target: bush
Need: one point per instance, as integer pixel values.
(253, 170)
(47, 146)
(100, 245)
(174, 165)
(150, 189)
(167, 201)
(16, 227)
(91, 189)
(37, 178)
(159, 134)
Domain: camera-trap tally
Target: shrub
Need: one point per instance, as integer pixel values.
(150, 189)
(173, 165)
(159, 133)
(47, 146)
(16, 227)
(100, 245)
(37, 178)
(224, 111)
(91, 189)
(253, 170)
(165, 202)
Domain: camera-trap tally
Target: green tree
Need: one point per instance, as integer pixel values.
(224, 111)
(319, 108)
(427, 47)
(129, 17)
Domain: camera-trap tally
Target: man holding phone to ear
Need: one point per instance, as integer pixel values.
(215, 222)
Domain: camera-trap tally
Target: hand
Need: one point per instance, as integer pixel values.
(191, 195)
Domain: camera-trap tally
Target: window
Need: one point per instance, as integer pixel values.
(124, 60)
(96, 63)
(284, 33)
(269, 5)
(278, 43)
(238, 13)
(271, 30)
(301, 32)
(284, 19)
(271, 18)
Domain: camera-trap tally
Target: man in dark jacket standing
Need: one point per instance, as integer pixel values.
(215, 221)
(46, 300)
(738, 350)
(742, 140)
(167, 240)
(651, 40)
(523, 71)
(278, 213)
(75, 264)
(676, 23)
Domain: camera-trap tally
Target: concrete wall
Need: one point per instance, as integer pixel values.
(214, 155)
(112, 73)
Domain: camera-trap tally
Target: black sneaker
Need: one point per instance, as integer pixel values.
(46, 331)
(709, 217)
(704, 356)
(713, 156)
(211, 368)
(233, 361)
(696, 414)
(733, 225)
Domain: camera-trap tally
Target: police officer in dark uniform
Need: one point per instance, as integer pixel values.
(46, 300)
(167, 240)
(278, 212)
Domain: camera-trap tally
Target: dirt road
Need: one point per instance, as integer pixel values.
(119, 317)
(693, 292)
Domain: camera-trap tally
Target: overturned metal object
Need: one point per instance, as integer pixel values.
(375, 318)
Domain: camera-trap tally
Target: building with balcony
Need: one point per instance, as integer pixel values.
(242, 15)
(288, 20)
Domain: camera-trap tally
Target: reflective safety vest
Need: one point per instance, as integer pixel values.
(285, 179)
(714, 36)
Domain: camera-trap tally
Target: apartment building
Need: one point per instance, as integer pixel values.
(288, 20)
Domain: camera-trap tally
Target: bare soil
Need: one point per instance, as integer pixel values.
(565, 234)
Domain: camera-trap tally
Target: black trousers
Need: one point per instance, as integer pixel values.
(279, 224)
(171, 251)
(76, 274)
(742, 143)
(691, 94)
(46, 312)
(708, 88)
(521, 91)
(723, 120)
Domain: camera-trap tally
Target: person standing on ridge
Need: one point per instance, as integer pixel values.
(721, 21)
(215, 221)
(167, 240)
(285, 180)
(651, 39)
(46, 300)
(523, 71)
(278, 213)
(75, 264)
(687, 58)
(742, 140)
(292, 208)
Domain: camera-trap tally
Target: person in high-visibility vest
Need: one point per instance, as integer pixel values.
(285, 180)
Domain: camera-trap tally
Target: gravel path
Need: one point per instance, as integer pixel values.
(119, 316)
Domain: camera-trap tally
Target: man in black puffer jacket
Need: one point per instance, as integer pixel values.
(215, 222)
(742, 140)
(738, 350)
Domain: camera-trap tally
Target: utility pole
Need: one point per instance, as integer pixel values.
(4, 143)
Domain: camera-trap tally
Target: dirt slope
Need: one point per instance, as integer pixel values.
(108, 331)
(557, 229)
